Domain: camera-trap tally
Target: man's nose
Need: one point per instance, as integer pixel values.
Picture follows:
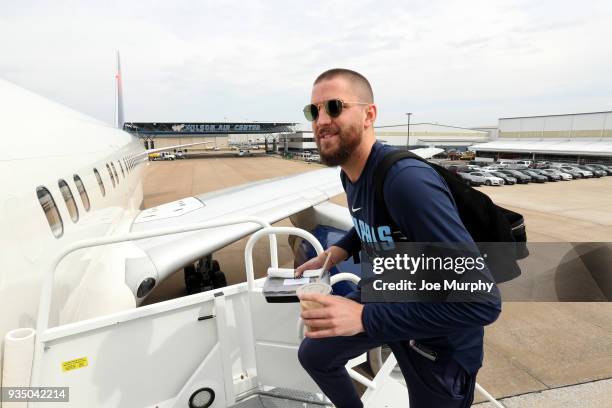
(323, 118)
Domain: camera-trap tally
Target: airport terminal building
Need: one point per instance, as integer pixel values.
(218, 134)
(576, 138)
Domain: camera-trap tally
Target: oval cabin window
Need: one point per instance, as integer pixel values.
(49, 208)
(110, 173)
(69, 199)
(82, 192)
(100, 182)
(115, 171)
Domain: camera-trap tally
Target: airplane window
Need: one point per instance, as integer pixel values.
(110, 173)
(53, 216)
(115, 171)
(121, 167)
(82, 192)
(100, 182)
(69, 199)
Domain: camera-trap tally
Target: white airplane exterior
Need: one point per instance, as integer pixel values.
(68, 177)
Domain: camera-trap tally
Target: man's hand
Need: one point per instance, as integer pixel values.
(337, 255)
(337, 317)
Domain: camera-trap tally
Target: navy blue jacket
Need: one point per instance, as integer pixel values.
(419, 202)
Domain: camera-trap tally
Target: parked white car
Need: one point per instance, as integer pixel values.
(585, 173)
(490, 180)
(314, 158)
(471, 179)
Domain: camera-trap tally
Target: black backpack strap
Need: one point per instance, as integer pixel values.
(378, 180)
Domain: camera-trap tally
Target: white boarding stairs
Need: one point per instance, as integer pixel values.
(223, 348)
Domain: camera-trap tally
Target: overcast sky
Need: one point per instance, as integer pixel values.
(463, 63)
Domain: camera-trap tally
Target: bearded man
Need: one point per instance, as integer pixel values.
(438, 346)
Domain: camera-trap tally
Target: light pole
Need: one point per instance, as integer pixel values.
(408, 134)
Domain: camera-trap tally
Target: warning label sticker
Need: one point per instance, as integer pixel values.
(74, 364)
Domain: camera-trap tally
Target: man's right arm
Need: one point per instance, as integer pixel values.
(350, 243)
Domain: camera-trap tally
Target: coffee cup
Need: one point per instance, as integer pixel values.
(319, 288)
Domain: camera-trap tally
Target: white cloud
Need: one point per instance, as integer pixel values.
(456, 62)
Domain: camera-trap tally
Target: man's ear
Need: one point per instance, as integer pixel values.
(371, 112)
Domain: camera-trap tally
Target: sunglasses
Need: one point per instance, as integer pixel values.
(333, 107)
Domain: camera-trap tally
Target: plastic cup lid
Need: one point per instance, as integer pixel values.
(315, 287)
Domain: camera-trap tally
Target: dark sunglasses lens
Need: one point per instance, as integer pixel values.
(334, 107)
(311, 112)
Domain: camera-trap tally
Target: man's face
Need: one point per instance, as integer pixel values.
(337, 138)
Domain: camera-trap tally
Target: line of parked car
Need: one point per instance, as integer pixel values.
(523, 172)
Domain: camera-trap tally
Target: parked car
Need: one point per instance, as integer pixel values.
(540, 165)
(509, 180)
(520, 177)
(472, 180)
(455, 168)
(537, 178)
(575, 174)
(564, 176)
(605, 168)
(596, 172)
(575, 170)
(490, 179)
(314, 158)
(512, 166)
(549, 176)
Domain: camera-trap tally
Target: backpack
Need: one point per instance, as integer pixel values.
(484, 220)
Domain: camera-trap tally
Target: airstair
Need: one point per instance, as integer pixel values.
(223, 348)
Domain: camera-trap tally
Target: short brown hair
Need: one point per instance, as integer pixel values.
(355, 78)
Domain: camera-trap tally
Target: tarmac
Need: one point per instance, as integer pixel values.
(536, 354)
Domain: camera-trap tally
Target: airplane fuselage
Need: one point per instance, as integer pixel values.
(48, 151)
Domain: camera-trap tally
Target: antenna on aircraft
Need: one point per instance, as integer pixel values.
(119, 117)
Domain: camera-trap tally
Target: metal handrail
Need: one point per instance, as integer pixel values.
(248, 250)
(44, 305)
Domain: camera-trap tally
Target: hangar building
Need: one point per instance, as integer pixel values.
(576, 137)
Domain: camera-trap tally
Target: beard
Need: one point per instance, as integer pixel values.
(348, 140)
